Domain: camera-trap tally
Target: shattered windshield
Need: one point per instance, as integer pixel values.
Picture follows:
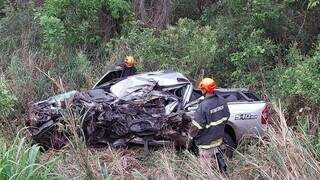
(129, 86)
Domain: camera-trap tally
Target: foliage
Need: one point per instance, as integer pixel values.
(187, 47)
(302, 77)
(19, 161)
(73, 68)
(253, 59)
(53, 33)
(32, 72)
(237, 42)
(254, 40)
(17, 29)
(313, 3)
(6, 98)
(118, 8)
(2, 5)
(75, 23)
(244, 47)
(266, 45)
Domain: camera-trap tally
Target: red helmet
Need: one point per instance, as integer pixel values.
(207, 85)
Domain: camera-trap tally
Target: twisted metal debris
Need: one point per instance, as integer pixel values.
(105, 120)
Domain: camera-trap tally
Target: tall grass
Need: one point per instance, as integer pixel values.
(78, 145)
(21, 161)
(285, 154)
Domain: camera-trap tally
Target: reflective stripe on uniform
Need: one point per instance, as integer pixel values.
(213, 144)
(195, 123)
(215, 123)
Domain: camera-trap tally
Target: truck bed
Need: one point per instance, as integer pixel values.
(246, 111)
(231, 95)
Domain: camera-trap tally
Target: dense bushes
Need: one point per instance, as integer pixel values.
(187, 47)
(301, 77)
(259, 44)
(239, 43)
(34, 73)
(78, 23)
(240, 60)
(256, 39)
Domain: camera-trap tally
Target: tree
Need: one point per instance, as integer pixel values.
(154, 13)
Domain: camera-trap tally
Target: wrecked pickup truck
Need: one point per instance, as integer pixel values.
(148, 108)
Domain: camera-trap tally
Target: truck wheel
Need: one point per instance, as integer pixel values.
(229, 145)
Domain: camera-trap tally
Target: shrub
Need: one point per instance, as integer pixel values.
(53, 34)
(30, 70)
(76, 23)
(302, 77)
(253, 59)
(253, 37)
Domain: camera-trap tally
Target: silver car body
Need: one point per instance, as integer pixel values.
(245, 114)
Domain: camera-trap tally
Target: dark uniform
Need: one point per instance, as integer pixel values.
(126, 71)
(210, 119)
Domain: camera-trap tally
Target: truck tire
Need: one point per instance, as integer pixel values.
(229, 145)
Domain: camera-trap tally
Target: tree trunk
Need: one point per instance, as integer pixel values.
(154, 13)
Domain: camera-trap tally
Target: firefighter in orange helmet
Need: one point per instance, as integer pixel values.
(208, 125)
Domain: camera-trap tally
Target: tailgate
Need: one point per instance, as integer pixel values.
(245, 118)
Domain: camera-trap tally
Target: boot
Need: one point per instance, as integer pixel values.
(221, 163)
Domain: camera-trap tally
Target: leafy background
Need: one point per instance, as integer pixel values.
(272, 47)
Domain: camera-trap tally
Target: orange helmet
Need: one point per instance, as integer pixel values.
(208, 85)
(130, 61)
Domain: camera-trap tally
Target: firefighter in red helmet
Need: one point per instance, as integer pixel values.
(208, 124)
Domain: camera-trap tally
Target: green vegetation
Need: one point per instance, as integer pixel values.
(76, 23)
(267, 45)
(6, 98)
(273, 47)
(187, 47)
(304, 72)
(21, 161)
